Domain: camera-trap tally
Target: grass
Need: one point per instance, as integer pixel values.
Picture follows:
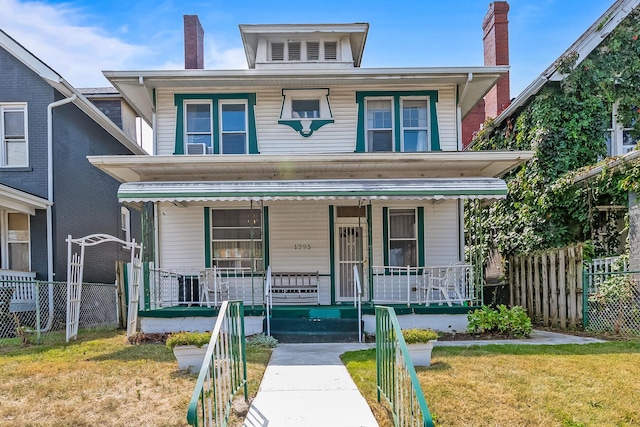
(523, 385)
(100, 380)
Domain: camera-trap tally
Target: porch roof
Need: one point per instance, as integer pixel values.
(338, 189)
(19, 201)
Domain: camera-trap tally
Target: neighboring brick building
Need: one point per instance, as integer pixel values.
(40, 112)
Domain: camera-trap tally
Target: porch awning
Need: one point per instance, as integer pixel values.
(19, 201)
(339, 189)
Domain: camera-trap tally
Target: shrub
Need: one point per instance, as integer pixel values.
(261, 341)
(419, 336)
(188, 338)
(513, 322)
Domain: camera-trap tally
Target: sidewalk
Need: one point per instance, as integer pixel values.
(308, 385)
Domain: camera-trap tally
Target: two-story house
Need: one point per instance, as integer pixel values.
(306, 165)
(48, 189)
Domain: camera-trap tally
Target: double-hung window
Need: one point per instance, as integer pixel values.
(198, 129)
(236, 238)
(379, 125)
(402, 244)
(415, 121)
(13, 133)
(18, 254)
(233, 127)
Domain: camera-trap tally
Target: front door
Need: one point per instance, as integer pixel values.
(350, 250)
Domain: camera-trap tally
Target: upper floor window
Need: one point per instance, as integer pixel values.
(620, 139)
(397, 121)
(215, 124)
(13, 134)
(305, 110)
(125, 223)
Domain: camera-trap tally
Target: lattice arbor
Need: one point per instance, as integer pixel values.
(75, 271)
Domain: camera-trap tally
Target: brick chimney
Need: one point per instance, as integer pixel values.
(496, 52)
(193, 43)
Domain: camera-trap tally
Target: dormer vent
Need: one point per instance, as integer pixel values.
(294, 51)
(313, 51)
(330, 51)
(277, 51)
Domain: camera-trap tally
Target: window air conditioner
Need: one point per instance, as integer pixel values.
(196, 148)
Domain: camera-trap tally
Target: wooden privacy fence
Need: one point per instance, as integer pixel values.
(548, 285)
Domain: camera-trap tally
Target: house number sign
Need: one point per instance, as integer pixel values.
(302, 246)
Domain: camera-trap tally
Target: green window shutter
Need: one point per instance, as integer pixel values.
(207, 237)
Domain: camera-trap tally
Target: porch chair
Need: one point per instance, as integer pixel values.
(211, 283)
(445, 285)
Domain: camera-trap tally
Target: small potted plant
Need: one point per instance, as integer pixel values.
(189, 349)
(420, 343)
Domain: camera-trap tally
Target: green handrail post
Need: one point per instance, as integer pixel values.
(585, 299)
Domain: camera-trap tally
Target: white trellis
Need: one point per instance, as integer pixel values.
(75, 271)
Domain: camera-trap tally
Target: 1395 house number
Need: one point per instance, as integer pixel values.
(301, 246)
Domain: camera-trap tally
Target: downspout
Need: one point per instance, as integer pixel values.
(50, 108)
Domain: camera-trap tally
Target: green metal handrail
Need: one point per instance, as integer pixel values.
(224, 371)
(397, 381)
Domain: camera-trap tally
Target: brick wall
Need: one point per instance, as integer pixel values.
(496, 52)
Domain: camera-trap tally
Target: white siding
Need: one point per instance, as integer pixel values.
(181, 237)
(306, 224)
(339, 136)
(441, 233)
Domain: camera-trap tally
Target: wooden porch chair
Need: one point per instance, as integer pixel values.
(213, 287)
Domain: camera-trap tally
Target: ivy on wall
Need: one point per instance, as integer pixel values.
(565, 126)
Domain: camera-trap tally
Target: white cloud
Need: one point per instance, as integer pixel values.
(217, 58)
(79, 53)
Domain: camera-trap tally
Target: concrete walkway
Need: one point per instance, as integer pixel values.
(308, 385)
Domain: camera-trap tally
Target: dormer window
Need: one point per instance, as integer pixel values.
(305, 108)
(303, 50)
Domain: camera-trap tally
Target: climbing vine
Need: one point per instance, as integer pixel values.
(566, 126)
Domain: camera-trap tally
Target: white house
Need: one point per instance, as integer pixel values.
(308, 165)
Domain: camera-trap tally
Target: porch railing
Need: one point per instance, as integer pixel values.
(224, 371)
(357, 299)
(451, 284)
(185, 287)
(397, 381)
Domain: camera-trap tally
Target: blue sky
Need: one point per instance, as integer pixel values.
(78, 39)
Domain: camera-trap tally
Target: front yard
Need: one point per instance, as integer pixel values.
(100, 380)
(521, 385)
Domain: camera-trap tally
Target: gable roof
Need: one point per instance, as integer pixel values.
(583, 46)
(65, 88)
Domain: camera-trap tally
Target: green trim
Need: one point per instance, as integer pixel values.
(421, 248)
(332, 253)
(370, 249)
(396, 95)
(146, 285)
(296, 124)
(385, 235)
(207, 237)
(179, 100)
(265, 237)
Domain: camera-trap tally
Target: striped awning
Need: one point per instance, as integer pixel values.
(339, 189)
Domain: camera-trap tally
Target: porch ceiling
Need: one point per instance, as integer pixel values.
(466, 164)
(368, 189)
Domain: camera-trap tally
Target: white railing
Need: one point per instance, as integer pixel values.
(357, 299)
(451, 284)
(188, 286)
(268, 299)
(23, 284)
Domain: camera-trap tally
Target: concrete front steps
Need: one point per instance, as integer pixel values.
(314, 324)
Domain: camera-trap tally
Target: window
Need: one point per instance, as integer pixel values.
(414, 125)
(13, 134)
(303, 50)
(215, 124)
(402, 238)
(233, 127)
(379, 125)
(236, 238)
(125, 223)
(620, 139)
(18, 242)
(198, 128)
(305, 108)
(397, 121)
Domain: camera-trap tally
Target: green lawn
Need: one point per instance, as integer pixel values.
(100, 380)
(521, 385)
